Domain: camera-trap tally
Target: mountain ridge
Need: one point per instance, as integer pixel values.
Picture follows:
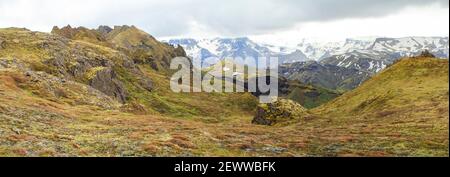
(394, 49)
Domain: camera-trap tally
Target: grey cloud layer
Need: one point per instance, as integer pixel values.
(230, 17)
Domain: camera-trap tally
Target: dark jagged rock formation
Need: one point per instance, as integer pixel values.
(427, 54)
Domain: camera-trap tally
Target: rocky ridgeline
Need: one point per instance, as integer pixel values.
(138, 45)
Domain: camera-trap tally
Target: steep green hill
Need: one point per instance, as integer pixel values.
(404, 110)
(310, 96)
(408, 85)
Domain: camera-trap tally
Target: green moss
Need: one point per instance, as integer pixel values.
(93, 72)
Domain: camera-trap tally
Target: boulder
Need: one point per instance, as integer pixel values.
(280, 111)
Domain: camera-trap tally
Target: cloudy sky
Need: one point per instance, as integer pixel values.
(271, 21)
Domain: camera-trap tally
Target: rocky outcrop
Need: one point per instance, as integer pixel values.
(101, 67)
(280, 111)
(139, 46)
(80, 33)
(104, 30)
(106, 81)
(56, 88)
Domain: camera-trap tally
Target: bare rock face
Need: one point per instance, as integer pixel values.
(104, 30)
(105, 80)
(280, 111)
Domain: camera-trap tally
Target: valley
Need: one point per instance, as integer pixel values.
(105, 92)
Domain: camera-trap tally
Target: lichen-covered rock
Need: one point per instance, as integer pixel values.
(282, 110)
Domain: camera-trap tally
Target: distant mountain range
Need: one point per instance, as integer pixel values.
(375, 48)
(361, 57)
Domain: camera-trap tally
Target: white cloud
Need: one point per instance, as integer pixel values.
(264, 19)
(414, 21)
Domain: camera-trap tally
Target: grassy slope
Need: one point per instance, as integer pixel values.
(403, 110)
(310, 96)
(409, 84)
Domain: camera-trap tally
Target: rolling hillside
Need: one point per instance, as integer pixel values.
(403, 110)
(411, 83)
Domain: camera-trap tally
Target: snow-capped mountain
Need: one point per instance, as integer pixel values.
(371, 62)
(366, 54)
(411, 45)
(324, 75)
(384, 51)
(223, 48)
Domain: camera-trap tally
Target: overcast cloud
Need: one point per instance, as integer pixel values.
(164, 18)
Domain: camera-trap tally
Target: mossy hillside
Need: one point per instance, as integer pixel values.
(133, 42)
(42, 51)
(24, 44)
(411, 82)
(310, 96)
(213, 106)
(143, 47)
(33, 125)
(80, 61)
